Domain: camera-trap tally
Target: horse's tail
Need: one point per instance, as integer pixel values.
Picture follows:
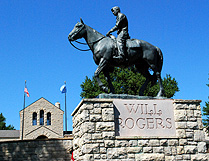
(160, 58)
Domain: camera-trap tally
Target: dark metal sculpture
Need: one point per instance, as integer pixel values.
(139, 53)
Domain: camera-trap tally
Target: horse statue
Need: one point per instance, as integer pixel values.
(139, 53)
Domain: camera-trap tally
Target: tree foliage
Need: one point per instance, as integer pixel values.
(3, 124)
(128, 81)
(206, 113)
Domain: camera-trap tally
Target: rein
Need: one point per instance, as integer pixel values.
(85, 44)
(78, 48)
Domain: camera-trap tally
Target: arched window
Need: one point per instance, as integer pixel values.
(48, 118)
(42, 117)
(34, 118)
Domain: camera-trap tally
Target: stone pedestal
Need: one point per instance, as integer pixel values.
(95, 123)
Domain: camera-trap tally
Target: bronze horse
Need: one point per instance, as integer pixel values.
(143, 55)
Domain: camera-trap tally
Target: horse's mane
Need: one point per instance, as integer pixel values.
(95, 31)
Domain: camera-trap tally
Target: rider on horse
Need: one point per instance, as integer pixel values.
(122, 32)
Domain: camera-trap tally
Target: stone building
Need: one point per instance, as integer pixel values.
(42, 120)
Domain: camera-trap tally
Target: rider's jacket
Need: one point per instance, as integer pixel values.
(121, 23)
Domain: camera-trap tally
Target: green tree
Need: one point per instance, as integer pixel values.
(206, 113)
(127, 81)
(3, 124)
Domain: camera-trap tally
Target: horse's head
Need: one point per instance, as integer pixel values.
(77, 32)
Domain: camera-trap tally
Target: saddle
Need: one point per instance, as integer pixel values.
(131, 44)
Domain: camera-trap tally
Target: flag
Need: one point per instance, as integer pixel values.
(72, 159)
(26, 91)
(63, 89)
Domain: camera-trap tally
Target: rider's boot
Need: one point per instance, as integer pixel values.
(121, 52)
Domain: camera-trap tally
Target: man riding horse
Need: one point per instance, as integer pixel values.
(141, 54)
(122, 32)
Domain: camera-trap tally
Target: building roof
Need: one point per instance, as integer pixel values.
(42, 98)
(9, 133)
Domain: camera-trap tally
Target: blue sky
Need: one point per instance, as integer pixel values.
(34, 47)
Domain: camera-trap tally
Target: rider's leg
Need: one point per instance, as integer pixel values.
(121, 47)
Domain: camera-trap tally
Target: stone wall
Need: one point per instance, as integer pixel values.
(36, 150)
(95, 139)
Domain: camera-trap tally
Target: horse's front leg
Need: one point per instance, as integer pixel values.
(101, 66)
(108, 79)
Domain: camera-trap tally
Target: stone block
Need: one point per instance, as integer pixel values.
(133, 143)
(147, 149)
(106, 105)
(95, 117)
(84, 116)
(174, 150)
(189, 149)
(121, 143)
(199, 157)
(96, 136)
(103, 150)
(143, 142)
(90, 148)
(197, 113)
(108, 114)
(103, 156)
(180, 115)
(87, 127)
(108, 135)
(200, 124)
(89, 157)
(199, 135)
(163, 142)
(134, 149)
(109, 143)
(189, 134)
(112, 153)
(180, 106)
(181, 125)
(192, 107)
(186, 157)
(131, 156)
(158, 149)
(192, 125)
(154, 142)
(180, 149)
(167, 151)
(105, 126)
(201, 147)
(122, 152)
(97, 110)
(97, 156)
(180, 133)
(170, 158)
(173, 142)
(141, 156)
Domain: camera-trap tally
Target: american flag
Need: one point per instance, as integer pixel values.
(26, 91)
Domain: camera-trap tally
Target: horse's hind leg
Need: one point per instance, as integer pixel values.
(147, 75)
(161, 91)
(158, 75)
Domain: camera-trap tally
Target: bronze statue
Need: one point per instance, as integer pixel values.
(122, 32)
(139, 53)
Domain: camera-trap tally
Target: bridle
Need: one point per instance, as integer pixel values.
(84, 43)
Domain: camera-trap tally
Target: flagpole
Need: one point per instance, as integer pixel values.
(23, 113)
(65, 111)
